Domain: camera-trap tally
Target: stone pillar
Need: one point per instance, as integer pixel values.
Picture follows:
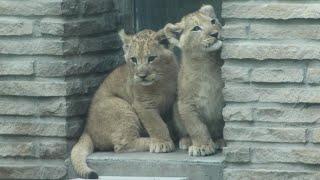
(53, 55)
(272, 74)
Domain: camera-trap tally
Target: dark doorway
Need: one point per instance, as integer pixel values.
(155, 14)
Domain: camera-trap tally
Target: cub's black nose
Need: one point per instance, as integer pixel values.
(215, 35)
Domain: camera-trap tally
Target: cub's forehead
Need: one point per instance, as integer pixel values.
(143, 42)
(145, 36)
(196, 18)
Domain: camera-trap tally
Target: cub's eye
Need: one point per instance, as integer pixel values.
(213, 21)
(196, 28)
(151, 58)
(134, 60)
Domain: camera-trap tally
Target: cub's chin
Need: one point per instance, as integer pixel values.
(213, 46)
(146, 83)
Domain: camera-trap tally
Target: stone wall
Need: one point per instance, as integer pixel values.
(272, 73)
(53, 55)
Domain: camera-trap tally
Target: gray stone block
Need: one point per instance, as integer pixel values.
(33, 88)
(15, 26)
(32, 46)
(265, 134)
(313, 73)
(85, 26)
(33, 147)
(276, 75)
(286, 155)
(20, 67)
(315, 135)
(96, 6)
(275, 30)
(270, 50)
(274, 174)
(32, 169)
(33, 127)
(237, 154)
(272, 113)
(267, 10)
(286, 94)
(176, 164)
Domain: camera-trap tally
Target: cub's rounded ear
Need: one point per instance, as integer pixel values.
(173, 33)
(208, 10)
(124, 38)
(162, 38)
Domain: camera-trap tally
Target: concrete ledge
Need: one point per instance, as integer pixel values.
(143, 164)
(137, 178)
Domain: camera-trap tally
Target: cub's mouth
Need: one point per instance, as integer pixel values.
(146, 81)
(212, 44)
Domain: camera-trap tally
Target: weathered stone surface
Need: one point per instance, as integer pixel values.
(84, 85)
(38, 7)
(315, 135)
(272, 113)
(313, 73)
(274, 10)
(236, 73)
(33, 148)
(175, 164)
(274, 174)
(32, 169)
(77, 65)
(270, 74)
(16, 67)
(241, 93)
(270, 50)
(77, 106)
(280, 74)
(33, 88)
(17, 149)
(15, 26)
(85, 26)
(32, 46)
(52, 149)
(265, 134)
(55, 106)
(104, 42)
(236, 154)
(237, 113)
(267, 30)
(33, 128)
(286, 155)
(96, 6)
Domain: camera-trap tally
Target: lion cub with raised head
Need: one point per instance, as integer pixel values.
(200, 99)
(131, 100)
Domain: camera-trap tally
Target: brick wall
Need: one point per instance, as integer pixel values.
(53, 55)
(272, 73)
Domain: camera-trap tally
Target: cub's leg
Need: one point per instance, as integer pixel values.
(202, 144)
(184, 139)
(125, 127)
(158, 131)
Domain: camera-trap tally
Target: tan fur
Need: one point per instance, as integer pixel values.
(200, 101)
(126, 106)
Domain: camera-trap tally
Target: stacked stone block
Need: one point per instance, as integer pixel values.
(53, 55)
(272, 77)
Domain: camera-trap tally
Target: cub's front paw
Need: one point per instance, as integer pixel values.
(202, 150)
(158, 146)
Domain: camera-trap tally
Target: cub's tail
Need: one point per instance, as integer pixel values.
(79, 154)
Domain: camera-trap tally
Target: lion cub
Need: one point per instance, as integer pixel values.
(200, 99)
(131, 100)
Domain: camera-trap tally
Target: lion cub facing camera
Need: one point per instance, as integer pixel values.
(132, 99)
(200, 99)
